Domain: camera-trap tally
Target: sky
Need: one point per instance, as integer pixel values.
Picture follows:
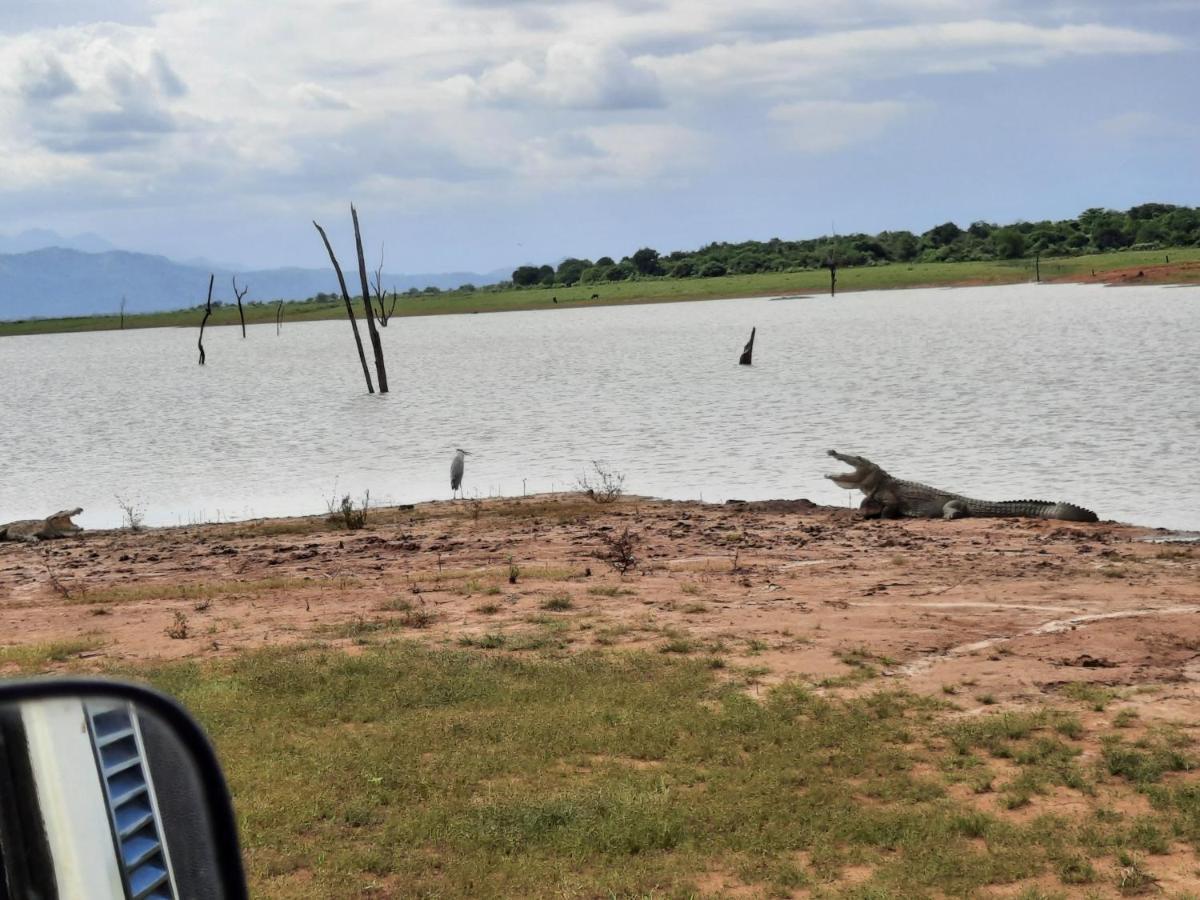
(477, 134)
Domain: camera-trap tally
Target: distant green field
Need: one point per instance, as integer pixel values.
(653, 290)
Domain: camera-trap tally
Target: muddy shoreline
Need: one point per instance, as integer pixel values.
(991, 609)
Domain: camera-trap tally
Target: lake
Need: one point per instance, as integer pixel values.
(1062, 392)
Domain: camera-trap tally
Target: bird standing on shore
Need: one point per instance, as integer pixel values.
(456, 468)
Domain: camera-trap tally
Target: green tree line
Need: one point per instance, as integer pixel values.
(1148, 226)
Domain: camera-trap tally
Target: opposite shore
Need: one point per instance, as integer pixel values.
(1166, 266)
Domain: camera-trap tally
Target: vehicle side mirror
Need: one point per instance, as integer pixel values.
(110, 790)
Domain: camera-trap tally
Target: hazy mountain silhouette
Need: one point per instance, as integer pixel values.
(58, 281)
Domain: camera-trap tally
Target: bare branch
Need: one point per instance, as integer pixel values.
(240, 294)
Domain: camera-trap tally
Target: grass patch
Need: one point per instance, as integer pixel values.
(204, 590)
(610, 590)
(458, 773)
(558, 602)
(39, 655)
(1096, 696)
(1145, 761)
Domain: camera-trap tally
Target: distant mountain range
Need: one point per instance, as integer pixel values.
(40, 238)
(50, 282)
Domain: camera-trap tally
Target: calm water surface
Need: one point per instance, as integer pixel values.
(1072, 392)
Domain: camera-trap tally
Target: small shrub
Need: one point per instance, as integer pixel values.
(1133, 879)
(1125, 718)
(558, 602)
(178, 629)
(618, 550)
(133, 513)
(418, 618)
(604, 485)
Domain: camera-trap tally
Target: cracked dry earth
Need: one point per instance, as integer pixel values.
(1007, 609)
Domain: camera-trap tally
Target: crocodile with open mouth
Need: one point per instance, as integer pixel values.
(891, 498)
(33, 530)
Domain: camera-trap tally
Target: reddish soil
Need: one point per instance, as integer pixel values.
(1002, 609)
(1166, 273)
(987, 613)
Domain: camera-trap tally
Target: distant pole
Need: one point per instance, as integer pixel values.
(1037, 268)
(278, 317)
(122, 312)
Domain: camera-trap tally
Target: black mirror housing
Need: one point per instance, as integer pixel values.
(110, 789)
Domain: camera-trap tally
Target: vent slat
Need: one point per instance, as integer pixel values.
(103, 740)
(122, 769)
(137, 849)
(145, 879)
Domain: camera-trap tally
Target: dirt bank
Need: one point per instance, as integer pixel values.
(984, 608)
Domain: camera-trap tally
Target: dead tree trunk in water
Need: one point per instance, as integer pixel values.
(122, 313)
(349, 309)
(748, 352)
(832, 278)
(376, 342)
(240, 294)
(207, 313)
(278, 317)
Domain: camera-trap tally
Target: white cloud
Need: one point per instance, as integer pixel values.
(821, 126)
(891, 53)
(89, 90)
(314, 96)
(571, 76)
(436, 101)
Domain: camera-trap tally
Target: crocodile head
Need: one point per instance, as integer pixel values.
(866, 477)
(60, 524)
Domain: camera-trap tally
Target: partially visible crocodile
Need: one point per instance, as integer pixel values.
(888, 497)
(34, 530)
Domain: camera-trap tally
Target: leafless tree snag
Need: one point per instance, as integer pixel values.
(207, 313)
(368, 309)
(278, 317)
(381, 294)
(748, 351)
(240, 294)
(362, 357)
(122, 312)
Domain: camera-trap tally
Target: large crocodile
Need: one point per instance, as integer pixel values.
(888, 497)
(34, 530)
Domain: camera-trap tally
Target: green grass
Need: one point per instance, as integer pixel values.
(204, 590)
(405, 770)
(652, 290)
(40, 655)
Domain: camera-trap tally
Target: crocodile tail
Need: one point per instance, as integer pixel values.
(1042, 509)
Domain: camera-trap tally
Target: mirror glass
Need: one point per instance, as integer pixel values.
(100, 797)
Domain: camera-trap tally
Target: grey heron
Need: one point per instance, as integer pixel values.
(456, 468)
